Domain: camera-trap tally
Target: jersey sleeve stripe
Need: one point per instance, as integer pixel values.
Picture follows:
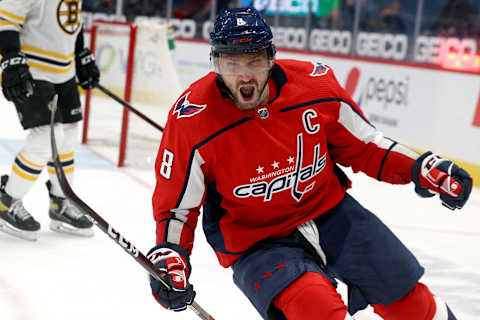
(361, 128)
(191, 198)
(6, 25)
(174, 233)
(11, 16)
(405, 151)
(195, 185)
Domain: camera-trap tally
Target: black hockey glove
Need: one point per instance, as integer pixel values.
(88, 73)
(432, 173)
(174, 262)
(17, 81)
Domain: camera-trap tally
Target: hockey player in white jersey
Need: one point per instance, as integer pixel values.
(42, 48)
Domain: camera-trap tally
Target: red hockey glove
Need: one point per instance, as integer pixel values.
(433, 173)
(173, 261)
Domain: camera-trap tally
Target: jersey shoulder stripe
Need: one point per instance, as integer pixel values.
(10, 16)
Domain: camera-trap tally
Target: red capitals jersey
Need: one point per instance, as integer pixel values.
(260, 173)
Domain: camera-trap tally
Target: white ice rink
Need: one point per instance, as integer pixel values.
(63, 277)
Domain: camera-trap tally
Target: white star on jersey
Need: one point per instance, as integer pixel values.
(260, 169)
(291, 159)
(275, 164)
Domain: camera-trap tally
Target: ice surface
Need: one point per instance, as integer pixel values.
(65, 277)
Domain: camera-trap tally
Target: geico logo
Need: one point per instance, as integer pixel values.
(292, 38)
(387, 91)
(386, 46)
(434, 49)
(184, 28)
(331, 41)
(206, 29)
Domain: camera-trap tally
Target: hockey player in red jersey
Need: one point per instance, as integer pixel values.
(257, 144)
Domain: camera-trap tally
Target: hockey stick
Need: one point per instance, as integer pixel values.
(103, 225)
(129, 106)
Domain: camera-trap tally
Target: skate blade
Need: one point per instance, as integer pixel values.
(19, 233)
(62, 227)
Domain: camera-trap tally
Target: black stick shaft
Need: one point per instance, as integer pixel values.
(104, 225)
(129, 107)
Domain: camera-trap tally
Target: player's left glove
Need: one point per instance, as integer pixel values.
(17, 81)
(88, 73)
(173, 261)
(433, 173)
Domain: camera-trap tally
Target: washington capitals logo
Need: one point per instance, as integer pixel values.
(319, 69)
(187, 109)
(290, 180)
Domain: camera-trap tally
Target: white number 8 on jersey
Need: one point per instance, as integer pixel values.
(167, 161)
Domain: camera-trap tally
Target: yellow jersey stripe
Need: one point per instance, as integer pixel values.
(12, 16)
(48, 68)
(10, 23)
(23, 175)
(31, 164)
(48, 53)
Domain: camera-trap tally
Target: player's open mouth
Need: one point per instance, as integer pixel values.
(247, 92)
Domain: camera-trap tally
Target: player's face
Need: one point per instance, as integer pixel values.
(246, 76)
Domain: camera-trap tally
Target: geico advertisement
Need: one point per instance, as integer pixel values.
(448, 52)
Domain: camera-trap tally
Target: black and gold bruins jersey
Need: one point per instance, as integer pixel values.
(48, 31)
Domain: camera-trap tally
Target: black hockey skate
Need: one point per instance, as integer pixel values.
(14, 218)
(66, 218)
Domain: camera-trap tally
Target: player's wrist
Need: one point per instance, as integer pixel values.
(9, 42)
(175, 247)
